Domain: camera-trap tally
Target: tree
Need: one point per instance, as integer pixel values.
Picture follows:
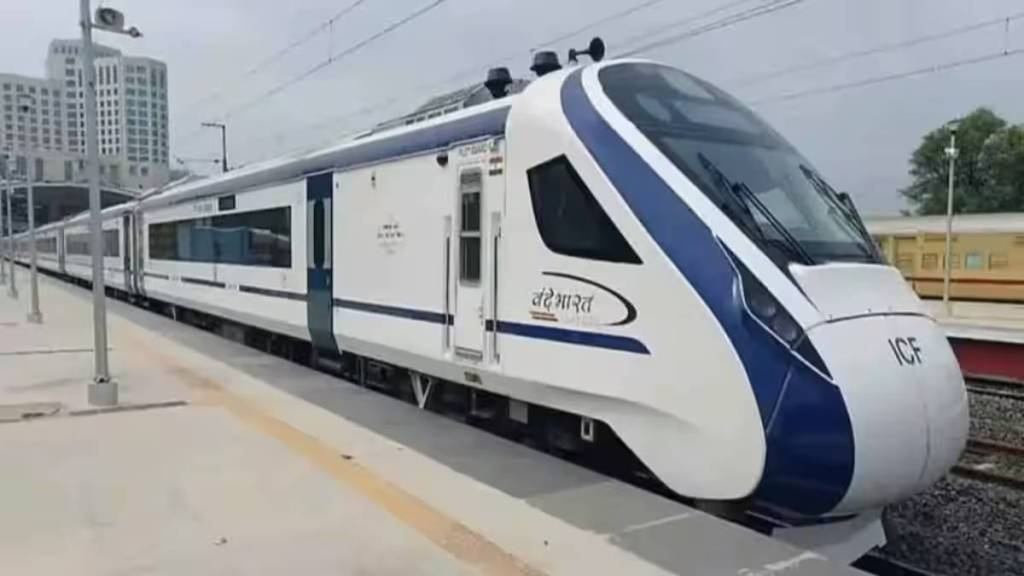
(1002, 166)
(989, 168)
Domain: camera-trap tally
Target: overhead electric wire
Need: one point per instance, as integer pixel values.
(333, 58)
(890, 47)
(259, 66)
(617, 15)
(750, 13)
(742, 16)
(476, 70)
(1006, 53)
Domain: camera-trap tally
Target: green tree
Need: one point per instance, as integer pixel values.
(988, 168)
(1002, 165)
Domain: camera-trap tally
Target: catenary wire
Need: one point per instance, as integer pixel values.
(475, 70)
(883, 48)
(926, 70)
(280, 53)
(731, 20)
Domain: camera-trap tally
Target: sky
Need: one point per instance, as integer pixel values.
(221, 66)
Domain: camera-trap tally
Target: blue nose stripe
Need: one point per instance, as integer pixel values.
(809, 408)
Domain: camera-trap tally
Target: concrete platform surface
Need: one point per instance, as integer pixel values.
(989, 321)
(223, 460)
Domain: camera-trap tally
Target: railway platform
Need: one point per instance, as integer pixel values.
(986, 336)
(222, 459)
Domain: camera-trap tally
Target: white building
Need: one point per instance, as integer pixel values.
(33, 126)
(43, 119)
(131, 106)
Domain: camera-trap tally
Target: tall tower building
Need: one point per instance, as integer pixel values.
(131, 109)
(33, 127)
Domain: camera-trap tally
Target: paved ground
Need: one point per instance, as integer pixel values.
(187, 489)
(227, 461)
(980, 320)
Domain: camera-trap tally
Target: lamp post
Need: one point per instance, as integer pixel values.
(25, 102)
(951, 153)
(223, 142)
(3, 250)
(102, 391)
(13, 288)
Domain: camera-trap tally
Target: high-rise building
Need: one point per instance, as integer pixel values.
(131, 112)
(33, 126)
(42, 123)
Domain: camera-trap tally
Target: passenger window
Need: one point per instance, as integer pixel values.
(470, 187)
(257, 238)
(998, 261)
(929, 261)
(974, 261)
(569, 219)
(110, 246)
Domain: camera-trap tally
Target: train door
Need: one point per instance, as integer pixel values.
(126, 252)
(479, 203)
(319, 269)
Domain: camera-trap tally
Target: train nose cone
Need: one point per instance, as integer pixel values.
(906, 401)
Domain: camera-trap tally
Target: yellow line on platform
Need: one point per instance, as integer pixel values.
(469, 547)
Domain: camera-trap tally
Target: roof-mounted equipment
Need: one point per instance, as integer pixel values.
(498, 81)
(595, 50)
(544, 62)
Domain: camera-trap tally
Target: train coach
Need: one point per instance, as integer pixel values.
(987, 262)
(620, 254)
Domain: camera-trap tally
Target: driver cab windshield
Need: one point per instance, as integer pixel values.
(754, 176)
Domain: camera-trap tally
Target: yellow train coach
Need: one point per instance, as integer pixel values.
(987, 262)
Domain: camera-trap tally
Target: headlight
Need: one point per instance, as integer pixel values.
(761, 304)
(785, 328)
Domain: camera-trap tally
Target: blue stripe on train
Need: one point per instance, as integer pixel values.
(555, 334)
(806, 424)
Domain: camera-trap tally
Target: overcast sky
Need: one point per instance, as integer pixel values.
(860, 139)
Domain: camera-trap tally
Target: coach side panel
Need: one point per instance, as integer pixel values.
(390, 222)
(241, 256)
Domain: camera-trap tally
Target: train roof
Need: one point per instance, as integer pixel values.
(480, 121)
(999, 222)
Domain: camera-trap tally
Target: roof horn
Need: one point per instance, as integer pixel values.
(595, 50)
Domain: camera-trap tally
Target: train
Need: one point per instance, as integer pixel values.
(618, 253)
(987, 256)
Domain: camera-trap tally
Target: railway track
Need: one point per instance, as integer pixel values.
(984, 471)
(996, 388)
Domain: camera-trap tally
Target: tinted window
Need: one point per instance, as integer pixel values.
(77, 244)
(110, 245)
(470, 187)
(47, 245)
(258, 238)
(746, 168)
(570, 220)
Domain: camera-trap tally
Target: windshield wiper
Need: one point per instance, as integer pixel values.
(746, 197)
(851, 217)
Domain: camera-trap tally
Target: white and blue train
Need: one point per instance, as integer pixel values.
(619, 242)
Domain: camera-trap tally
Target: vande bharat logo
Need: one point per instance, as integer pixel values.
(569, 299)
